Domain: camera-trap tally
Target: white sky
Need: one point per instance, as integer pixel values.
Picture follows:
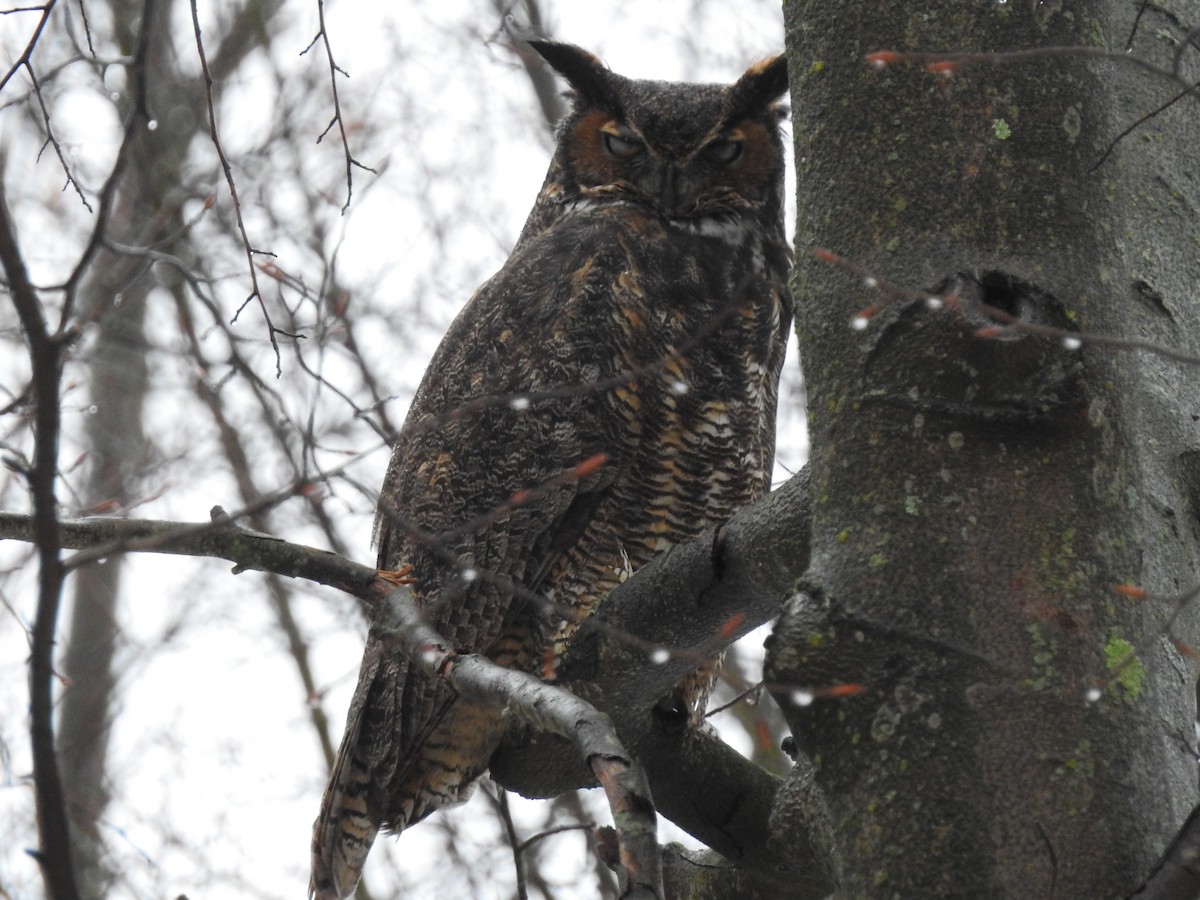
(211, 742)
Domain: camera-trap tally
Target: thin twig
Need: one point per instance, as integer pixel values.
(25, 61)
(1138, 123)
(334, 70)
(510, 830)
(948, 63)
(87, 27)
(255, 293)
(27, 54)
(1136, 22)
(1176, 875)
(279, 593)
(156, 540)
(753, 689)
(529, 842)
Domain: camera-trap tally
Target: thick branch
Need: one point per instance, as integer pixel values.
(679, 601)
(705, 875)
(1177, 875)
(694, 600)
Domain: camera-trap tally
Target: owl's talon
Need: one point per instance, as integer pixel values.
(396, 576)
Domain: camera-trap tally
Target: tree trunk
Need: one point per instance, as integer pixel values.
(976, 500)
(114, 435)
(114, 296)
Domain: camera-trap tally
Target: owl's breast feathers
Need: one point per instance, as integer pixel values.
(610, 332)
(688, 334)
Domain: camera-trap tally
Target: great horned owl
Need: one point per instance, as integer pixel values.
(642, 316)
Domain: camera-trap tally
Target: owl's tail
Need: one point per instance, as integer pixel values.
(374, 786)
(344, 830)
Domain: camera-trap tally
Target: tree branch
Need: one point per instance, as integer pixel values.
(334, 71)
(705, 875)
(1177, 875)
(221, 539)
(695, 599)
(250, 251)
(137, 119)
(550, 709)
(26, 60)
(54, 851)
(541, 78)
(692, 601)
(684, 599)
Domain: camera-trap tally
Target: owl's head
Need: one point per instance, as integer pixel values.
(690, 153)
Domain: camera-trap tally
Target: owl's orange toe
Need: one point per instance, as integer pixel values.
(396, 576)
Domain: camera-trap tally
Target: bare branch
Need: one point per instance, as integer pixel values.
(334, 71)
(510, 832)
(1138, 123)
(25, 60)
(948, 63)
(54, 852)
(1006, 322)
(673, 601)
(138, 117)
(256, 292)
(100, 537)
(541, 78)
(550, 709)
(52, 140)
(694, 875)
(679, 600)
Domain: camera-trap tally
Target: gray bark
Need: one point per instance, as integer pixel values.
(114, 435)
(975, 501)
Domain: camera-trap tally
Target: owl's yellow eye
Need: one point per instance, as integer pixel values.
(723, 151)
(622, 147)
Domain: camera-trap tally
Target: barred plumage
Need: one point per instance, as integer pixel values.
(642, 315)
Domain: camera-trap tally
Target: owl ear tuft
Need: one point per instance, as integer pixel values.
(759, 87)
(586, 73)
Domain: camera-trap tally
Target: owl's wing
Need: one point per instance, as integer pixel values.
(480, 496)
(480, 499)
